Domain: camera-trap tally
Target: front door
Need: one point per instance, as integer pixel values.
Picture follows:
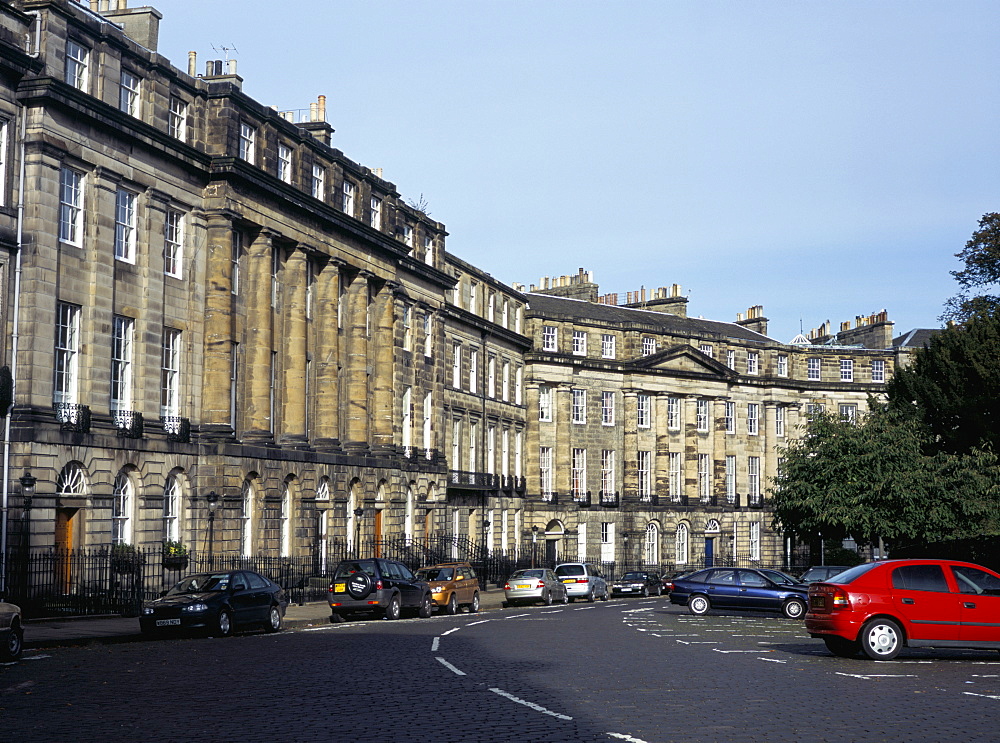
(709, 552)
(64, 542)
(378, 533)
(551, 556)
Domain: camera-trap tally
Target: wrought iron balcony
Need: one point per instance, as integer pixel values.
(473, 480)
(520, 485)
(582, 498)
(650, 498)
(550, 497)
(176, 428)
(609, 499)
(73, 417)
(128, 423)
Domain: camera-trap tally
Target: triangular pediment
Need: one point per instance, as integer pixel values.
(684, 359)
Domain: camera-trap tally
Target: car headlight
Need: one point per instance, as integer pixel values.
(439, 589)
(147, 610)
(195, 608)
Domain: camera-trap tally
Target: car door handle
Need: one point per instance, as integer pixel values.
(968, 605)
(909, 601)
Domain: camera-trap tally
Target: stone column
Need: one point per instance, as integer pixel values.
(293, 388)
(562, 448)
(382, 358)
(532, 466)
(356, 369)
(258, 424)
(630, 445)
(661, 460)
(216, 416)
(327, 322)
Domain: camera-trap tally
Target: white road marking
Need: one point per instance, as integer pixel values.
(735, 651)
(633, 611)
(628, 738)
(332, 626)
(450, 667)
(532, 705)
(868, 676)
(988, 696)
(773, 660)
(517, 616)
(551, 611)
(454, 629)
(34, 657)
(584, 608)
(434, 644)
(481, 621)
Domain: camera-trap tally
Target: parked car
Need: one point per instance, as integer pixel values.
(637, 583)
(219, 603)
(821, 572)
(535, 584)
(881, 607)
(583, 580)
(11, 632)
(379, 586)
(453, 584)
(739, 588)
(667, 579)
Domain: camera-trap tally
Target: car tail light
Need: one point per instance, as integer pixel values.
(378, 585)
(839, 599)
(541, 584)
(506, 586)
(581, 580)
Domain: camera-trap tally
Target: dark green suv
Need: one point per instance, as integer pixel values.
(382, 587)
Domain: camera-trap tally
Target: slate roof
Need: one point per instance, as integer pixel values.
(545, 306)
(916, 338)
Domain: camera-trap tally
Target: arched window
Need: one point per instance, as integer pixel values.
(121, 509)
(323, 489)
(286, 521)
(71, 481)
(651, 545)
(681, 545)
(246, 519)
(171, 510)
(411, 499)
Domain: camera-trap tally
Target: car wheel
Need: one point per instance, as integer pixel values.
(474, 606)
(699, 605)
(794, 608)
(393, 609)
(591, 597)
(645, 593)
(452, 606)
(224, 623)
(565, 598)
(841, 646)
(426, 607)
(881, 639)
(547, 598)
(607, 594)
(274, 619)
(11, 649)
(336, 618)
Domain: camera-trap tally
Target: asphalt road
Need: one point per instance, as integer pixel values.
(632, 670)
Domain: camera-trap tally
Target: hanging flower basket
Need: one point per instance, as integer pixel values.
(175, 562)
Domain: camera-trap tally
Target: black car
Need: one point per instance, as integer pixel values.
(637, 583)
(219, 603)
(819, 573)
(382, 587)
(740, 588)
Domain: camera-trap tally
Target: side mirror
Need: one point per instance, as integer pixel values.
(239, 587)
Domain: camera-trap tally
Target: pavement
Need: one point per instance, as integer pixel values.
(48, 633)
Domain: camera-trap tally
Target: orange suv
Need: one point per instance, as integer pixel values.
(453, 584)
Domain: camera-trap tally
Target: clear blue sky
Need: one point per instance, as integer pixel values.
(823, 159)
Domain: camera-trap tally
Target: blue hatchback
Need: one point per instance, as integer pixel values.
(740, 588)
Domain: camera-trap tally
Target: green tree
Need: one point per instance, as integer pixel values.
(952, 387)
(875, 479)
(981, 257)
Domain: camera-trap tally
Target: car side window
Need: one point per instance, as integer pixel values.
(403, 571)
(973, 580)
(749, 578)
(722, 578)
(389, 569)
(256, 581)
(239, 582)
(920, 578)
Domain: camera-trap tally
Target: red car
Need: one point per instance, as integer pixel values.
(881, 607)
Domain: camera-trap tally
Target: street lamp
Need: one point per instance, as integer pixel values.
(625, 549)
(534, 541)
(358, 513)
(27, 494)
(213, 503)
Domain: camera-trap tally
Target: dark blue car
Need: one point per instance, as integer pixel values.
(740, 588)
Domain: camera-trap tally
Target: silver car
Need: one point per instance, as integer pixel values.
(534, 584)
(11, 632)
(583, 580)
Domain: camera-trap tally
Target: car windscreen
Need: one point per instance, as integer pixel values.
(781, 578)
(570, 570)
(201, 583)
(347, 569)
(528, 574)
(852, 574)
(432, 574)
(634, 576)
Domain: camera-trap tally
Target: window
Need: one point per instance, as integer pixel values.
(71, 206)
(491, 307)
(170, 372)
(428, 250)
(246, 520)
(376, 213)
(318, 182)
(505, 382)
(285, 163)
(248, 137)
(782, 365)
(702, 415)
(779, 421)
(518, 384)
(878, 370)
(77, 64)
(456, 444)
(428, 427)
(544, 403)
(921, 578)
(123, 332)
(473, 445)
(813, 368)
(753, 362)
(171, 510)
(643, 408)
(579, 406)
(473, 297)
(4, 159)
(648, 346)
(505, 452)
(67, 354)
(704, 478)
(491, 376)
(518, 450)
(549, 338)
(707, 350)
(675, 476)
(753, 419)
(651, 545)
(579, 472)
(731, 359)
(607, 541)
(428, 335)
(849, 413)
(730, 417)
(846, 370)
(608, 470)
(456, 366)
(348, 201)
(545, 469)
(234, 261)
(173, 244)
(579, 343)
(121, 510)
(285, 518)
(505, 313)
(673, 413)
(607, 408)
(681, 545)
(813, 409)
(731, 478)
(607, 346)
(177, 119)
(128, 93)
(125, 222)
(408, 328)
(755, 541)
(753, 483)
(407, 235)
(473, 371)
(406, 417)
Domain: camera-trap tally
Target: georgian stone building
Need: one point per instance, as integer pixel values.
(211, 310)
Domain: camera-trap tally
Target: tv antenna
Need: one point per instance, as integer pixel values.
(225, 50)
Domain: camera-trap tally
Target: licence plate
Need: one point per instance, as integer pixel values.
(339, 587)
(167, 622)
(817, 601)
(523, 585)
(569, 580)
